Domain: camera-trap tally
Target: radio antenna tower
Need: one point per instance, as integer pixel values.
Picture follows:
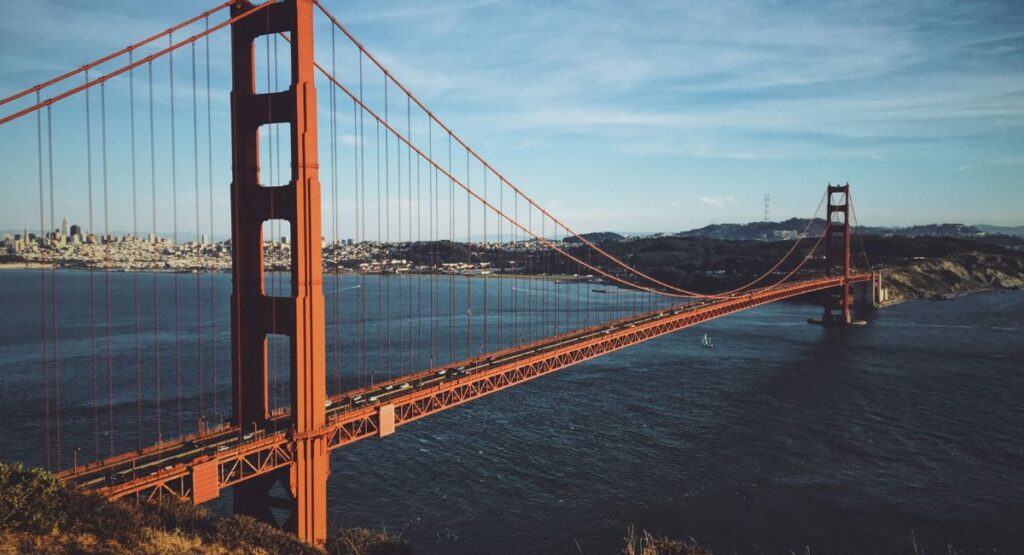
(767, 199)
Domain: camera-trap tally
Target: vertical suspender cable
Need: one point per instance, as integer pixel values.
(486, 258)
(335, 247)
(92, 285)
(361, 210)
(517, 261)
(42, 293)
(213, 273)
(53, 290)
(387, 225)
(380, 277)
(419, 276)
(409, 237)
(156, 283)
(432, 216)
(543, 301)
(199, 245)
(135, 275)
(556, 272)
(501, 265)
(174, 235)
(398, 243)
(357, 143)
(413, 347)
(469, 265)
(451, 259)
(534, 289)
(106, 270)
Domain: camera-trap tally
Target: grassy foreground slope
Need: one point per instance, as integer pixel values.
(39, 514)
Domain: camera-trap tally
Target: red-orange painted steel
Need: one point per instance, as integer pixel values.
(113, 55)
(266, 454)
(205, 482)
(837, 256)
(254, 314)
(236, 16)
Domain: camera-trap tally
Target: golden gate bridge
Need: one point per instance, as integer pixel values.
(397, 177)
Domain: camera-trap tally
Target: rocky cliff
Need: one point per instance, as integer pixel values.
(951, 275)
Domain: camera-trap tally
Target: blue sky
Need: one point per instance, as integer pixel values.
(648, 116)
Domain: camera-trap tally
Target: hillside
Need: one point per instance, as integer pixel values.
(950, 275)
(598, 237)
(39, 514)
(915, 267)
(766, 231)
(1016, 231)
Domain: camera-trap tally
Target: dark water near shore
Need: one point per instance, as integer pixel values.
(785, 435)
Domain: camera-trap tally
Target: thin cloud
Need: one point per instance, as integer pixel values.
(720, 202)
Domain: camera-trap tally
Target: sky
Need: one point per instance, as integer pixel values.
(627, 116)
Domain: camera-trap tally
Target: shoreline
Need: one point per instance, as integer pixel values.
(24, 266)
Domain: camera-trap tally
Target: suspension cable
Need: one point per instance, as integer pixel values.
(58, 97)
(366, 109)
(455, 181)
(126, 50)
(390, 76)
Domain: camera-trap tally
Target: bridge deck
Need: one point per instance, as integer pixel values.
(234, 454)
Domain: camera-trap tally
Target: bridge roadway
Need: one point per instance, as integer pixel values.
(197, 467)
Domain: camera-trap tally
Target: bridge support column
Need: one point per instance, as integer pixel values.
(254, 314)
(837, 253)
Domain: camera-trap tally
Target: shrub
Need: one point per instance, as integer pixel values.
(30, 500)
(245, 533)
(171, 514)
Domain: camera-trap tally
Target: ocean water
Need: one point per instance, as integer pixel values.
(785, 436)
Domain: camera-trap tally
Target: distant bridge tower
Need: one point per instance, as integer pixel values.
(767, 200)
(299, 316)
(837, 252)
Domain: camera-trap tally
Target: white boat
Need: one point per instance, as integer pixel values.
(706, 343)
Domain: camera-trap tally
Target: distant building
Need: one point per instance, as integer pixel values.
(75, 229)
(64, 228)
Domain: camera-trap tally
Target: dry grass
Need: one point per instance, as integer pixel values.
(360, 541)
(39, 514)
(645, 543)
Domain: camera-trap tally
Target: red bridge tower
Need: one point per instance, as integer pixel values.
(837, 253)
(254, 314)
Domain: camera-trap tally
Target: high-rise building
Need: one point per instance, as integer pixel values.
(75, 229)
(64, 227)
